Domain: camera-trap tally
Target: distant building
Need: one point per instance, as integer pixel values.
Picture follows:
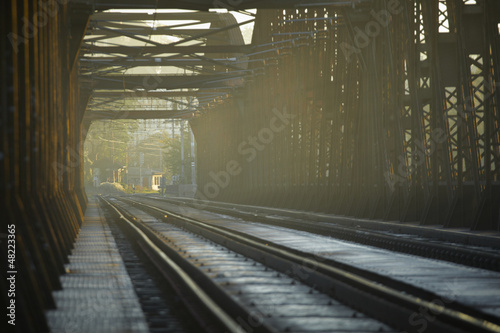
(156, 180)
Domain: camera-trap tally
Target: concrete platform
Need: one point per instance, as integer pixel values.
(97, 295)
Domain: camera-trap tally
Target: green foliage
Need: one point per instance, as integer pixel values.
(172, 156)
(110, 145)
(106, 146)
(151, 147)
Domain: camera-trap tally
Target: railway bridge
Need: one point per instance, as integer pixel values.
(384, 112)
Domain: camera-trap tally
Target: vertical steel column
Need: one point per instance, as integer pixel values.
(375, 93)
(39, 181)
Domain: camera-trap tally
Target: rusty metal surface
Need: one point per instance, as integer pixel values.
(41, 181)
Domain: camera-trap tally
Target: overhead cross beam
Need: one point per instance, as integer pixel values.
(161, 16)
(155, 94)
(101, 32)
(205, 5)
(188, 49)
(138, 114)
(153, 82)
(101, 62)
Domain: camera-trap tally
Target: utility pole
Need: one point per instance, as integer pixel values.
(141, 160)
(182, 151)
(193, 169)
(112, 153)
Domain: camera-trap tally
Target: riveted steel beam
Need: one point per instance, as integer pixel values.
(207, 4)
(188, 49)
(138, 114)
(149, 82)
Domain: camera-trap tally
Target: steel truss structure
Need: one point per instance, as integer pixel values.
(393, 114)
(368, 108)
(129, 72)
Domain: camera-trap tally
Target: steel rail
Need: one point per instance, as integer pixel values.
(452, 253)
(229, 323)
(368, 295)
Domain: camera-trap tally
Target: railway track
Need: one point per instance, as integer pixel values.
(203, 308)
(458, 248)
(163, 313)
(396, 303)
(259, 299)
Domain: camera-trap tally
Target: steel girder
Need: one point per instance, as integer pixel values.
(393, 112)
(41, 180)
(213, 57)
(190, 49)
(170, 82)
(141, 114)
(207, 4)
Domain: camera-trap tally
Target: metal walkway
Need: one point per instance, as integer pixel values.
(97, 294)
